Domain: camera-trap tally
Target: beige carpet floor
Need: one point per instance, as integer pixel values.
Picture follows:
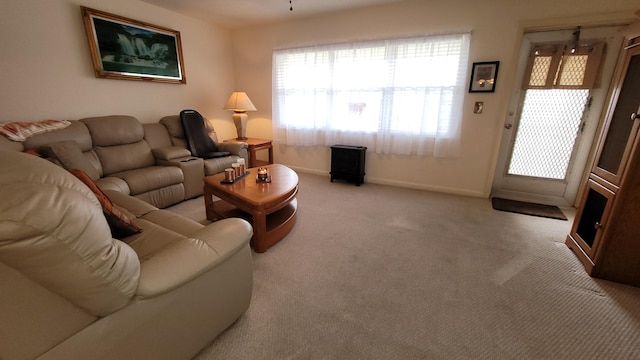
(379, 272)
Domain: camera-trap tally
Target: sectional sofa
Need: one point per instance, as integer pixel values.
(147, 161)
(70, 290)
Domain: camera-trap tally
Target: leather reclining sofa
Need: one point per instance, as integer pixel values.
(70, 290)
(148, 161)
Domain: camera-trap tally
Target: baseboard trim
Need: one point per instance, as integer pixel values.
(402, 184)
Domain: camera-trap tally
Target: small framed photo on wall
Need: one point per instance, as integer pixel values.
(484, 76)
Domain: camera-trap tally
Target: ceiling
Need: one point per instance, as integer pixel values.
(240, 13)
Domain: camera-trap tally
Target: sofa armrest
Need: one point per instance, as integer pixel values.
(232, 147)
(181, 261)
(170, 153)
(193, 171)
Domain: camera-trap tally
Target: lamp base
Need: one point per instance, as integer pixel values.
(240, 120)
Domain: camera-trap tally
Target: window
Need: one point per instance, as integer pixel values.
(401, 96)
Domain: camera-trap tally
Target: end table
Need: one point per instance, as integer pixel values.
(256, 144)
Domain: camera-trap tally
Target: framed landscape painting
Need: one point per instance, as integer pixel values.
(128, 49)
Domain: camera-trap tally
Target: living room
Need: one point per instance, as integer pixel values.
(49, 75)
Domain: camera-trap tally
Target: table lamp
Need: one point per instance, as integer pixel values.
(240, 103)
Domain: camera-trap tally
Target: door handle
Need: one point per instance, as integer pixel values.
(507, 126)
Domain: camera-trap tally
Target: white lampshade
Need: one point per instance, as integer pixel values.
(239, 102)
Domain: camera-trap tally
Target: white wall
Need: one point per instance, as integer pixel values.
(496, 27)
(47, 71)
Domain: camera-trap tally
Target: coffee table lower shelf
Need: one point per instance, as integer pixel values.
(277, 224)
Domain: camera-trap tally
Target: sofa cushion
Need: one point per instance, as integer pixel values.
(164, 197)
(151, 178)
(121, 226)
(173, 125)
(114, 130)
(70, 156)
(118, 140)
(124, 157)
(156, 135)
(114, 184)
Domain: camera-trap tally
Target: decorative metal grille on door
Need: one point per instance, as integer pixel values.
(557, 84)
(547, 131)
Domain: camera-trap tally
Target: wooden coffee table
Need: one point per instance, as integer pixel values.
(270, 207)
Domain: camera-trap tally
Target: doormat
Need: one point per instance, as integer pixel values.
(527, 208)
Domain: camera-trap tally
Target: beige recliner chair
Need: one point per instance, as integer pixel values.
(71, 291)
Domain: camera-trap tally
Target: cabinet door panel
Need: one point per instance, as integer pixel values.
(592, 217)
(620, 128)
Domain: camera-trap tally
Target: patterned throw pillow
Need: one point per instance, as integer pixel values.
(121, 226)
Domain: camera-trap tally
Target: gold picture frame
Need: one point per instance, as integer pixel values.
(127, 49)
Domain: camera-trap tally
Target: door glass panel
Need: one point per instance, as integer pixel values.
(540, 71)
(573, 70)
(621, 124)
(549, 122)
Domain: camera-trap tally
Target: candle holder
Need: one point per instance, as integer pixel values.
(230, 176)
(263, 175)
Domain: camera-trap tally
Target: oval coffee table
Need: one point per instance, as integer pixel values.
(270, 207)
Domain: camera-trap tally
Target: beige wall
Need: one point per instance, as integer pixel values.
(496, 27)
(47, 71)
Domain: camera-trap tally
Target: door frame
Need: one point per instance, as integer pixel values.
(502, 187)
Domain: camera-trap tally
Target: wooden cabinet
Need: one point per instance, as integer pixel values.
(606, 232)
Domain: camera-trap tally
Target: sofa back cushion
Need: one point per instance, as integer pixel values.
(77, 132)
(118, 140)
(157, 136)
(53, 231)
(114, 130)
(70, 156)
(120, 158)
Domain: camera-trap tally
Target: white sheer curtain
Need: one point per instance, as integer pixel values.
(400, 96)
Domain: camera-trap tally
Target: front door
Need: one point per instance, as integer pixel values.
(562, 85)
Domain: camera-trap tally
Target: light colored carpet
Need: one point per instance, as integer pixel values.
(378, 272)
